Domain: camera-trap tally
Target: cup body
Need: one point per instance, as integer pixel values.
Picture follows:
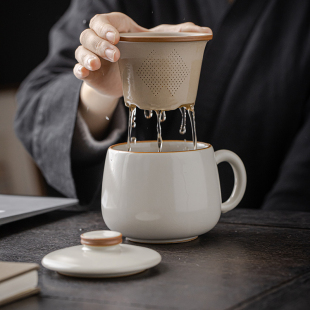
(160, 75)
(170, 195)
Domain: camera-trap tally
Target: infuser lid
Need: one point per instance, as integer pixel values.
(101, 255)
(165, 36)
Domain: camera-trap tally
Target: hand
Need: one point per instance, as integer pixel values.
(97, 56)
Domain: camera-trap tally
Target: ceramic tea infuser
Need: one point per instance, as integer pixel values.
(160, 70)
(101, 255)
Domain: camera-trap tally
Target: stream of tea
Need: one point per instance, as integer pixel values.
(161, 117)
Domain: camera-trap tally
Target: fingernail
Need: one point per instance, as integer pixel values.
(110, 36)
(79, 70)
(110, 53)
(89, 60)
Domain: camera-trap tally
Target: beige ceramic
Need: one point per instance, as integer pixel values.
(101, 255)
(172, 196)
(160, 71)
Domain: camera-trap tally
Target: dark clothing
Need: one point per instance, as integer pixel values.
(253, 98)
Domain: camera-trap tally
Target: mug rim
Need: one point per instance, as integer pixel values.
(165, 36)
(208, 145)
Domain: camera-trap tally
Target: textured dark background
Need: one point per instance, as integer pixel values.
(24, 28)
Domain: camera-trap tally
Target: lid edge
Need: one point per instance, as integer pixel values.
(185, 38)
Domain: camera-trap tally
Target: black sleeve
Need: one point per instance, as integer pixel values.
(47, 106)
(292, 188)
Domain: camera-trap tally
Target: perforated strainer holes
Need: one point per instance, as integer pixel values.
(157, 73)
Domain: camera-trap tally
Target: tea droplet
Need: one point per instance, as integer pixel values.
(134, 125)
(163, 116)
(159, 137)
(191, 114)
(133, 140)
(132, 110)
(148, 114)
(182, 130)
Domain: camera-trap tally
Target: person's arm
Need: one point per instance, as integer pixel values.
(48, 102)
(97, 110)
(292, 188)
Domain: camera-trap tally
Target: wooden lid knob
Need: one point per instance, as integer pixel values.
(101, 238)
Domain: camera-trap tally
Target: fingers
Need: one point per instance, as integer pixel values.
(87, 59)
(92, 42)
(101, 37)
(191, 27)
(108, 26)
(185, 27)
(89, 76)
(97, 54)
(104, 29)
(80, 72)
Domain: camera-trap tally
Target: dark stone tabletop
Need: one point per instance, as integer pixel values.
(252, 259)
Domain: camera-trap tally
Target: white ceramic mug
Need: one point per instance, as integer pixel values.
(172, 196)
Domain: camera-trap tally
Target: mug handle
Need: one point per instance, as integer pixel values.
(239, 176)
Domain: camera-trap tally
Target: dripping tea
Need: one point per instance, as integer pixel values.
(161, 117)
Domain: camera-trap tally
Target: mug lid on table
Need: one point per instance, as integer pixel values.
(101, 255)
